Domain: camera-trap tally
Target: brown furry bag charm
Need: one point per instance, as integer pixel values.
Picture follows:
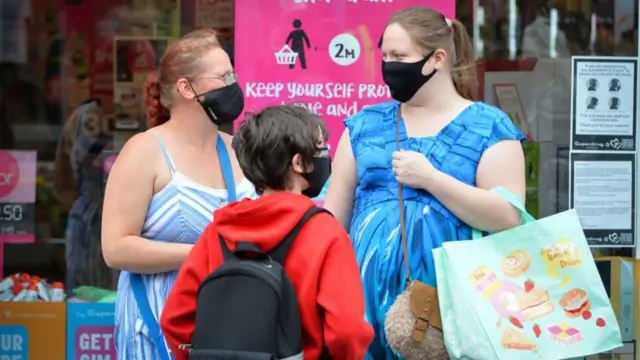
(413, 327)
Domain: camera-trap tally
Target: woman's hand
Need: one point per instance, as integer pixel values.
(412, 169)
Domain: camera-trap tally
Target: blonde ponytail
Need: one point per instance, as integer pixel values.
(465, 77)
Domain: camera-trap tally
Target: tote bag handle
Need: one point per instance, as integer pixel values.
(515, 201)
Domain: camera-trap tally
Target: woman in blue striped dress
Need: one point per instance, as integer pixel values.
(167, 182)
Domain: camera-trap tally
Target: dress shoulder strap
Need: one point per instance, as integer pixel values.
(165, 152)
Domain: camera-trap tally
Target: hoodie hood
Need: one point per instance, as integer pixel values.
(265, 221)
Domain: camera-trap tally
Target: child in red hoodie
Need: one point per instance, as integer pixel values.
(282, 153)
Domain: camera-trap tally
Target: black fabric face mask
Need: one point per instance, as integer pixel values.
(405, 79)
(223, 105)
(318, 176)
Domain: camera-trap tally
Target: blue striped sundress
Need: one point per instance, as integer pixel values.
(456, 150)
(177, 213)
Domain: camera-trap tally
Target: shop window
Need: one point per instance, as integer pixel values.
(71, 76)
(525, 48)
(527, 29)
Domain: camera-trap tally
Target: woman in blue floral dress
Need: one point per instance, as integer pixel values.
(453, 151)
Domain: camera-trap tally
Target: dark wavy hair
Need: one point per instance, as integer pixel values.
(266, 142)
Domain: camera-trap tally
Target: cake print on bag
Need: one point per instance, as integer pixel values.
(511, 301)
(530, 310)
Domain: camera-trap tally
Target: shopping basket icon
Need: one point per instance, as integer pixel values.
(286, 56)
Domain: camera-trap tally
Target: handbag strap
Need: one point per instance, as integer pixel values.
(403, 228)
(227, 169)
(142, 300)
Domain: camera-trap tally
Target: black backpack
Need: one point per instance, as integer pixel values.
(247, 309)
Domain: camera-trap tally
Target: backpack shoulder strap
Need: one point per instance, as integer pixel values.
(279, 253)
(226, 253)
(241, 246)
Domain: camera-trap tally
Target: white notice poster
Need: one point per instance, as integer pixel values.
(603, 195)
(603, 103)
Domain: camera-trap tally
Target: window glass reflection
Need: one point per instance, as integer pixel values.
(550, 29)
(524, 48)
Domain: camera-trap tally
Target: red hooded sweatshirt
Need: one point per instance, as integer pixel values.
(321, 264)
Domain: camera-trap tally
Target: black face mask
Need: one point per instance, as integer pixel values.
(405, 79)
(223, 105)
(318, 176)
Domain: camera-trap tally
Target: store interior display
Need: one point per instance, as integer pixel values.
(29, 288)
(67, 88)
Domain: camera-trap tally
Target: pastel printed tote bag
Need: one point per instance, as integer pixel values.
(532, 292)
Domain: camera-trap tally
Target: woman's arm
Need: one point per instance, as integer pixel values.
(179, 313)
(502, 165)
(128, 193)
(342, 184)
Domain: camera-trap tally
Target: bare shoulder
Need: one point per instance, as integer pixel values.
(141, 151)
(141, 144)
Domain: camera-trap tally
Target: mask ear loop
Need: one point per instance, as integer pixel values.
(194, 91)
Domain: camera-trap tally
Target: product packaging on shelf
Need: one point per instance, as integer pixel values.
(32, 330)
(23, 287)
(90, 325)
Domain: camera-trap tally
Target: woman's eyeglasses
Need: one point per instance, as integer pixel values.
(324, 151)
(228, 78)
